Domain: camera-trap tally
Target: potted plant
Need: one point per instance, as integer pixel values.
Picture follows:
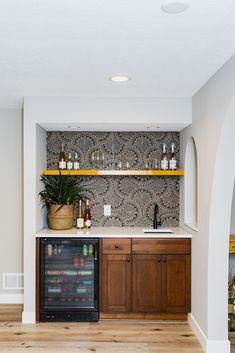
(59, 196)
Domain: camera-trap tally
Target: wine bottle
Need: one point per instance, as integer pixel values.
(62, 158)
(76, 164)
(80, 219)
(70, 162)
(164, 159)
(172, 161)
(87, 216)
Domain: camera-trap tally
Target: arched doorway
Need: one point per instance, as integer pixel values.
(219, 231)
(191, 185)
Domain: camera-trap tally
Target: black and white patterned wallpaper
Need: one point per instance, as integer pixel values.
(132, 198)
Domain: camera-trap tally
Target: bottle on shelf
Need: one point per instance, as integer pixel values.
(70, 162)
(80, 219)
(84, 250)
(62, 158)
(164, 159)
(87, 216)
(76, 163)
(90, 250)
(172, 159)
(49, 250)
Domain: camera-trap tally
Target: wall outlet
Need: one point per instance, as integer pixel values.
(107, 210)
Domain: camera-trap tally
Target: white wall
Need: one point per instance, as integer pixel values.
(98, 112)
(11, 207)
(211, 107)
(109, 113)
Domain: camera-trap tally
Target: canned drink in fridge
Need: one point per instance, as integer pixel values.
(49, 250)
(90, 250)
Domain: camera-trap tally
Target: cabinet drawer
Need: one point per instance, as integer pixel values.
(161, 246)
(116, 246)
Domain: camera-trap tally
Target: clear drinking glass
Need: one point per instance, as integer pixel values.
(101, 159)
(119, 165)
(155, 164)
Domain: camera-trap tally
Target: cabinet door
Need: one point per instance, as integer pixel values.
(116, 283)
(146, 289)
(176, 283)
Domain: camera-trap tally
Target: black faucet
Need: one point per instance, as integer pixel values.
(155, 222)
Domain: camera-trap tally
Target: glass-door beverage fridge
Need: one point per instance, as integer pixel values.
(69, 279)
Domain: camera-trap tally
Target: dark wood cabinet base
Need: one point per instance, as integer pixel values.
(145, 316)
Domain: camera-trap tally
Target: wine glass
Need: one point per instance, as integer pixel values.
(147, 164)
(101, 159)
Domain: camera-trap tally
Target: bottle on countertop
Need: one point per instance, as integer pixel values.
(70, 162)
(76, 164)
(62, 158)
(164, 159)
(80, 219)
(172, 159)
(87, 216)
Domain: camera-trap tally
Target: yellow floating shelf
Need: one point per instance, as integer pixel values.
(89, 172)
(232, 244)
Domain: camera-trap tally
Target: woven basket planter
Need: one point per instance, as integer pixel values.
(60, 218)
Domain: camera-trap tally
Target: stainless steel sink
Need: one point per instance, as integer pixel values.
(159, 230)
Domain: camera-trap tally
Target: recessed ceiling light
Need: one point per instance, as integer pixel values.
(73, 127)
(119, 79)
(153, 127)
(174, 7)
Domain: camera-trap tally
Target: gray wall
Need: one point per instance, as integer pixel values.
(11, 207)
(132, 198)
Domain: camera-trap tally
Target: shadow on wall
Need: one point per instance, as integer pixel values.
(191, 185)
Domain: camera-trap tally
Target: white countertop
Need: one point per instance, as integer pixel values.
(114, 232)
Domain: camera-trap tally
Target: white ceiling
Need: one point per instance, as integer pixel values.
(71, 47)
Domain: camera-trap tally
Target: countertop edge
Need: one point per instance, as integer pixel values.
(113, 233)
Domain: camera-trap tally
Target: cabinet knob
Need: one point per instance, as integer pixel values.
(159, 258)
(128, 259)
(116, 246)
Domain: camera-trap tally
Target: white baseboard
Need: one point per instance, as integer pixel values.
(11, 299)
(209, 346)
(28, 317)
(218, 346)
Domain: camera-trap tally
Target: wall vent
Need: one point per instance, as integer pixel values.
(13, 281)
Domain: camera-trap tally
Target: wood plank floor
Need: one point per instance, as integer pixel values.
(106, 336)
(231, 337)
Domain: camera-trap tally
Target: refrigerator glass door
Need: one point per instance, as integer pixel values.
(70, 274)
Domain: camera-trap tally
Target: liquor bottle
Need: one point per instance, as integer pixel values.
(76, 164)
(87, 216)
(80, 219)
(62, 158)
(172, 160)
(164, 159)
(70, 162)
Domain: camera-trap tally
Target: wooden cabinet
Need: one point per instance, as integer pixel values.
(147, 279)
(176, 283)
(116, 275)
(161, 283)
(146, 276)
